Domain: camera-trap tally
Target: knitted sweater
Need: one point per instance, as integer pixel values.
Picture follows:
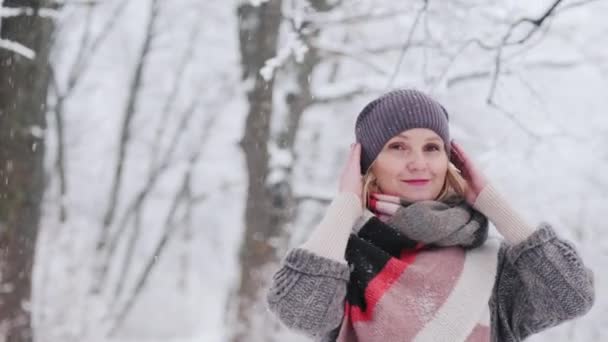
(501, 291)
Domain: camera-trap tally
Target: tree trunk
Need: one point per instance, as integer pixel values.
(258, 33)
(23, 93)
(270, 206)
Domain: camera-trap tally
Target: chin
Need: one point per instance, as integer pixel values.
(411, 195)
(420, 198)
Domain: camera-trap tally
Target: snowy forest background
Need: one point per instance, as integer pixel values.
(158, 158)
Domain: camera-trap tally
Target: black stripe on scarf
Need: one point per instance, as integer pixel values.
(368, 252)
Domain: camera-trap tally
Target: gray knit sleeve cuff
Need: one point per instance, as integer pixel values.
(301, 262)
(539, 237)
(304, 261)
(307, 293)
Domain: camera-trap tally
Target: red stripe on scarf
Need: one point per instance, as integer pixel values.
(381, 283)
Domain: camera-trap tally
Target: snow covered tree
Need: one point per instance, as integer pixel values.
(24, 80)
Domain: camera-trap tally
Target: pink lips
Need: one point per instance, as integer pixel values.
(417, 182)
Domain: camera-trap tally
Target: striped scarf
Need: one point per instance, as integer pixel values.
(423, 275)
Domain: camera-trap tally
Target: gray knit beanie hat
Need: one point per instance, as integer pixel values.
(393, 113)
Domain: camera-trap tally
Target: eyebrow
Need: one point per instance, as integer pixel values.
(427, 139)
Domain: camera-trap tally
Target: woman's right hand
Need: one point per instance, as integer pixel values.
(351, 180)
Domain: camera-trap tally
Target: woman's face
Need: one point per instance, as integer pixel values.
(413, 165)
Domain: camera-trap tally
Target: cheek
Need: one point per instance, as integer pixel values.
(440, 168)
(387, 165)
(387, 172)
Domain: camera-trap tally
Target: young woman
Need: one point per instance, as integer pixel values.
(403, 254)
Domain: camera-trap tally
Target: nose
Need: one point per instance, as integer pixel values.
(416, 162)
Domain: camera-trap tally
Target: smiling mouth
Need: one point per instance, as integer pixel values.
(417, 182)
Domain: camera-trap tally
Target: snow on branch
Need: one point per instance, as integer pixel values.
(17, 48)
(8, 12)
(294, 46)
(257, 3)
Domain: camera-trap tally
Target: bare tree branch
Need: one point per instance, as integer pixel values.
(473, 75)
(452, 59)
(158, 166)
(321, 200)
(536, 22)
(84, 42)
(89, 46)
(170, 225)
(321, 21)
(574, 5)
(407, 43)
(359, 54)
(81, 63)
(108, 27)
(398, 47)
(128, 115)
(170, 228)
(139, 200)
(60, 164)
(483, 74)
(530, 44)
(196, 199)
(515, 120)
(128, 260)
(329, 51)
(171, 99)
(188, 232)
(341, 97)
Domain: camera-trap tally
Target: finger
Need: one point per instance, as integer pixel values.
(456, 146)
(464, 164)
(456, 150)
(460, 153)
(459, 160)
(386, 198)
(356, 154)
(384, 218)
(467, 162)
(350, 152)
(349, 159)
(386, 208)
(345, 166)
(455, 156)
(458, 163)
(372, 202)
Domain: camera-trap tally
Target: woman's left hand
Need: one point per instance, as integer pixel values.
(476, 180)
(384, 206)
